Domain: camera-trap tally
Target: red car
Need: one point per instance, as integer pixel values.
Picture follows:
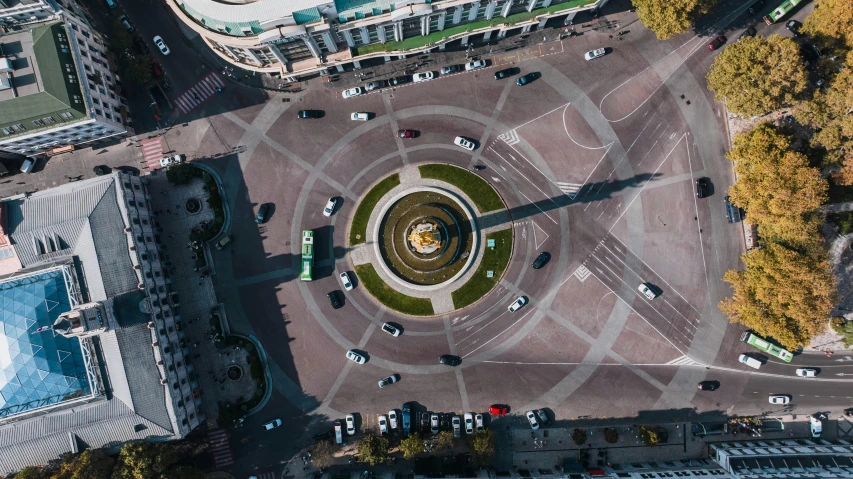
(498, 409)
(405, 133)
(717, 42)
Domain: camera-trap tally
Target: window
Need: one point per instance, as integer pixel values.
(98, 112)
(48, 120)
(18, 127)
(7, 131)
(66, 115)
(38, 123)
(81, 42)
(96, 101)
(87, 67)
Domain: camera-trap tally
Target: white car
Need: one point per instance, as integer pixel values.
(457, 426)
(478, 422)
(272, 424)
(433, 424)
(815, 426)
(647, 292)
(360, 116)
(475, 65)
(391, 329)
(779, 399)
(392, 419)
(356, 357)
(383, 424)
(806, 372)
(531, 418)
(594, 54)
(351, 92)
(425, 76)
(345, 281)
(389, 381)
(469, 423)
(350, 424)
(161, 45)
(171, 160)
(517, 304)
(330, 207)
(463, 142)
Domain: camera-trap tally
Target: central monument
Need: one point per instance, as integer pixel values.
(425, 237)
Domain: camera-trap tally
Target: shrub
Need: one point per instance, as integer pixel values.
(579, 437)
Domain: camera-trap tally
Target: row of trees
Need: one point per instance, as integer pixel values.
(137, 460)
(787, 289)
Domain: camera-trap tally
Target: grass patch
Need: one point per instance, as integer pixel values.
(388, 296)
(358, 229)
(483, 195)
(493, 260)
(843, 220)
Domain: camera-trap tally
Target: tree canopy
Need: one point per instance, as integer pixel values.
(778, 189)
(323, 454)
(831, 19)
(373, 449)
(668, 18)
(756, 75)
(483, 447)
(412, 446)
(781, 294)
(444, 442)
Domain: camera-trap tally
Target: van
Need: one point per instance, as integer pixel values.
(28, 165)
(224, 241)
(111, 3)
(749, 361)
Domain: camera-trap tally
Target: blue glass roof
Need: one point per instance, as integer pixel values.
(37, 369)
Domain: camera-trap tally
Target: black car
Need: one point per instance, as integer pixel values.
(701, 187)
(755, 7)
(506, 73)
(450, 360)
(749, 32)
(709, 385)
(794, 26)
(541, 260)
(525, 79)
(450, 69)
(398, 80)
(334, 300)
(303, 114)
(101, 170)
(262, 213)
(425, 422)
(732, 212)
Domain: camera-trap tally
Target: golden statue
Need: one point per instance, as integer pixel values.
(425, 238)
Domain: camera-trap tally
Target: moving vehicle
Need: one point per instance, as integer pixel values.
(517, 304)
(334, 300)
(475, 65)
(478, 422)
(307, 273)
(392, 419)
(425, 76)
(794, 26)
(766, 346)
(541, 260)
(717, 42)
(433, 421)
(806, 372)
(599, 52)
(524, 80)
(345, 281)
(457, 426)
(330, 207)
(647, 292)
(749, 32)
(355, 356)
(531, 418)
(161, 45)
(350, 420)
(450, 69)
(262, 213)
(391, 329)
(407, 419)
(815, 426)
(389, 380)
(272, 424)
(171, 160)
(124, 21)
(469, 423)
(351, 92)
(463, 142)
(506, 73)
(779, 399)
(498, 409)
(359, 116)
(383, 425)
(749, 361)
(308, 114)
(753, 9)
(702, 187)
(450, 360)
(338, 436)
(709, 385)
(405, 133)
(783, 9)
(224, 241)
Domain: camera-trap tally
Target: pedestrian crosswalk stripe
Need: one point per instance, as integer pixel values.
(582, 273)
(682, 361)
(570, 189)
(510, 137)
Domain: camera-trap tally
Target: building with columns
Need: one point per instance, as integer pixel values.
(298, 38)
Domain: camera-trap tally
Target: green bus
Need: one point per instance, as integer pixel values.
(781, 11)
(307, 256)
(766, 346)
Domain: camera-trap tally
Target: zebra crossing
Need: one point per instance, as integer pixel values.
(220, 448)
(682, 361)
(569, 189)
(510, 137)
(152, 152)
(199, 92)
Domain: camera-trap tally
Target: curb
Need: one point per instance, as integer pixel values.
(226, 211)
(262, 355)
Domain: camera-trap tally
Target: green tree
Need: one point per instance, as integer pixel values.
(92, 464)
(483, 447)
(182, 173)
(780, 192)
(33, 472)
(611, 435)
(845, 329)
(183, 472)
(412, 446)
(756, 75)
(323, 454)
(831, 19)
(830, 112)
(579, 437)
(668, 18)
(444, 442)
(649, 436)
(781, 294)
(373, 449)
(144, 460)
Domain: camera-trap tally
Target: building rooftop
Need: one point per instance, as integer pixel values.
(38, 368)
(41, 88)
